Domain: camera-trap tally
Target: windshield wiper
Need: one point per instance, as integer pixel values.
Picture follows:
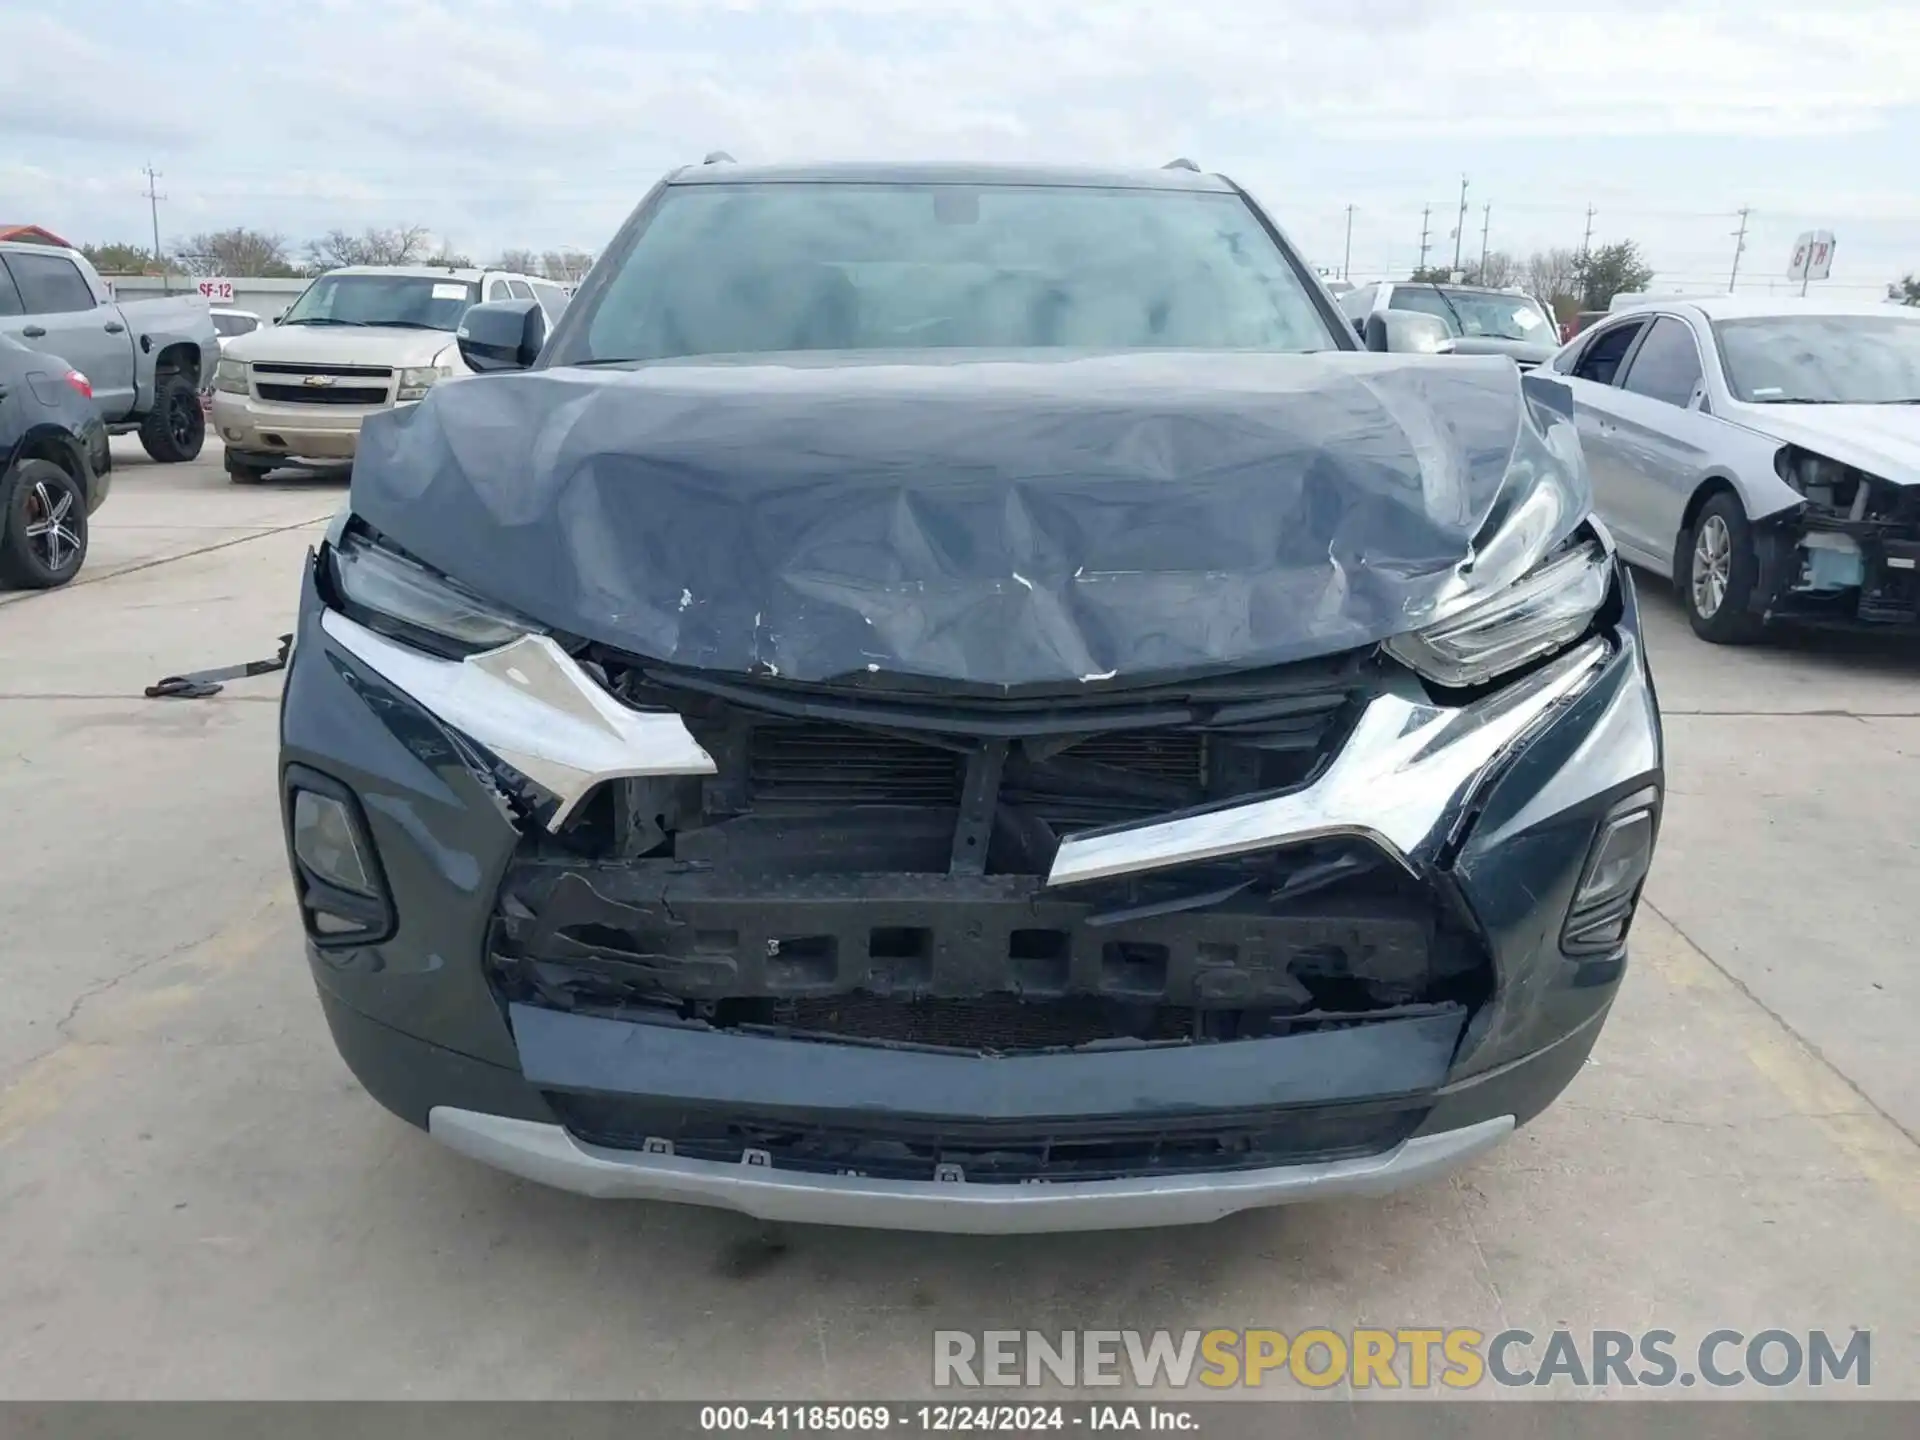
(401, 324)
(321, 320)
(1452, 310)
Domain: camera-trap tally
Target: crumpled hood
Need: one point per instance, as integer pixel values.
(1883, 440)
(396, 345)
(999, 522)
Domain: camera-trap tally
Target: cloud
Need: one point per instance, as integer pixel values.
(530, 121)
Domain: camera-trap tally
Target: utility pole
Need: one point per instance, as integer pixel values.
(1425, 212)
(1346, 260)
(1586, 240)
(1460, 223)
(1486, 223)
(154, 197)
(1739, 244)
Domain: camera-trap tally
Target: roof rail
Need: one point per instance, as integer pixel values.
(717, 157)
(1181, 163)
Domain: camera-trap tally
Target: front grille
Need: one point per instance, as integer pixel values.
(813, 763)
(837, 764)
(1178, 756)
(319, 395)
(1006, 1154)
(367, 372)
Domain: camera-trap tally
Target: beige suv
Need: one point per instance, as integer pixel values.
(358, 341)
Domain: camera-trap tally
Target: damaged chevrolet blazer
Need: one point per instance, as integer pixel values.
(959, 698)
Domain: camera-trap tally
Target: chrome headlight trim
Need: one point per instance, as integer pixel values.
(1400, 775)
(530, 704)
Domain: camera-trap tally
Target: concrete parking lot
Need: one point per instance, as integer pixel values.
(196, 1200)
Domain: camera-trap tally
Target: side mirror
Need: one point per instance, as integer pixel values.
(502, 335)
(1407, 332)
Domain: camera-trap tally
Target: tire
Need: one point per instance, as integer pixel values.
(1718, 573)
(176, 427)
(43, 531)
(245, 472)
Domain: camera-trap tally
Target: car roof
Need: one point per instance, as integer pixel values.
(1515, 291)
(953, 173)
(424, 272)
(1753, 307)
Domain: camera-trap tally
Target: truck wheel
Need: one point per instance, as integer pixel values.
(242, 471)
(43, 530)
(174, 430)
(1721, 566)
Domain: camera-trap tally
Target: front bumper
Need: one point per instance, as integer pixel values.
(549, 1155)
(1496, 804)
(1832, 573)
(316, 432)
(100, 460)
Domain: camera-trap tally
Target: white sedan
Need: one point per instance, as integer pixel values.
(1763, 454)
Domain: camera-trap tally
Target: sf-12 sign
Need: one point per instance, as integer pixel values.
(1812, 256)
(217, 291)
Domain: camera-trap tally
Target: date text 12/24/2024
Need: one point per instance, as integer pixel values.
(948, 1418)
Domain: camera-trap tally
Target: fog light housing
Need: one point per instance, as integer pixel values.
(336, 871)
(1616, 868)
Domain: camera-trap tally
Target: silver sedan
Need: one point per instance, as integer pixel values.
(1763, 454)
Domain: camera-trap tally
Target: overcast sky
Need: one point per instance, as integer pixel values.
(540, 122)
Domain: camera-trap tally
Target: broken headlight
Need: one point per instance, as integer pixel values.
(398, 596)
(1545, 610)
(1827, 484)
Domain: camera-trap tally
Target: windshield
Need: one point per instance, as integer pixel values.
(1822, 359)
(770, 268)
(1478, 312)
(421, 302)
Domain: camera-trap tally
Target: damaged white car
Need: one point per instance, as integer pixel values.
(1762, 453)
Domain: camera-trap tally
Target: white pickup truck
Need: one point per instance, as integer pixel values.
(146, 359)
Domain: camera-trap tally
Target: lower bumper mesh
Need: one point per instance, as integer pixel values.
(899, 1150)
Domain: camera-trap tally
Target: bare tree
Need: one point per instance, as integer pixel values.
(567, 266)
(449, 257)
(240, 251)
(1499, 270)
(405, 245)
(521, 262)
(1553, 276)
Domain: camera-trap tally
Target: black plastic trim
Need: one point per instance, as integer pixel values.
(375, 912)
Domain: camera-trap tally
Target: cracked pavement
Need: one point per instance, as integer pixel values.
(196, 1200)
